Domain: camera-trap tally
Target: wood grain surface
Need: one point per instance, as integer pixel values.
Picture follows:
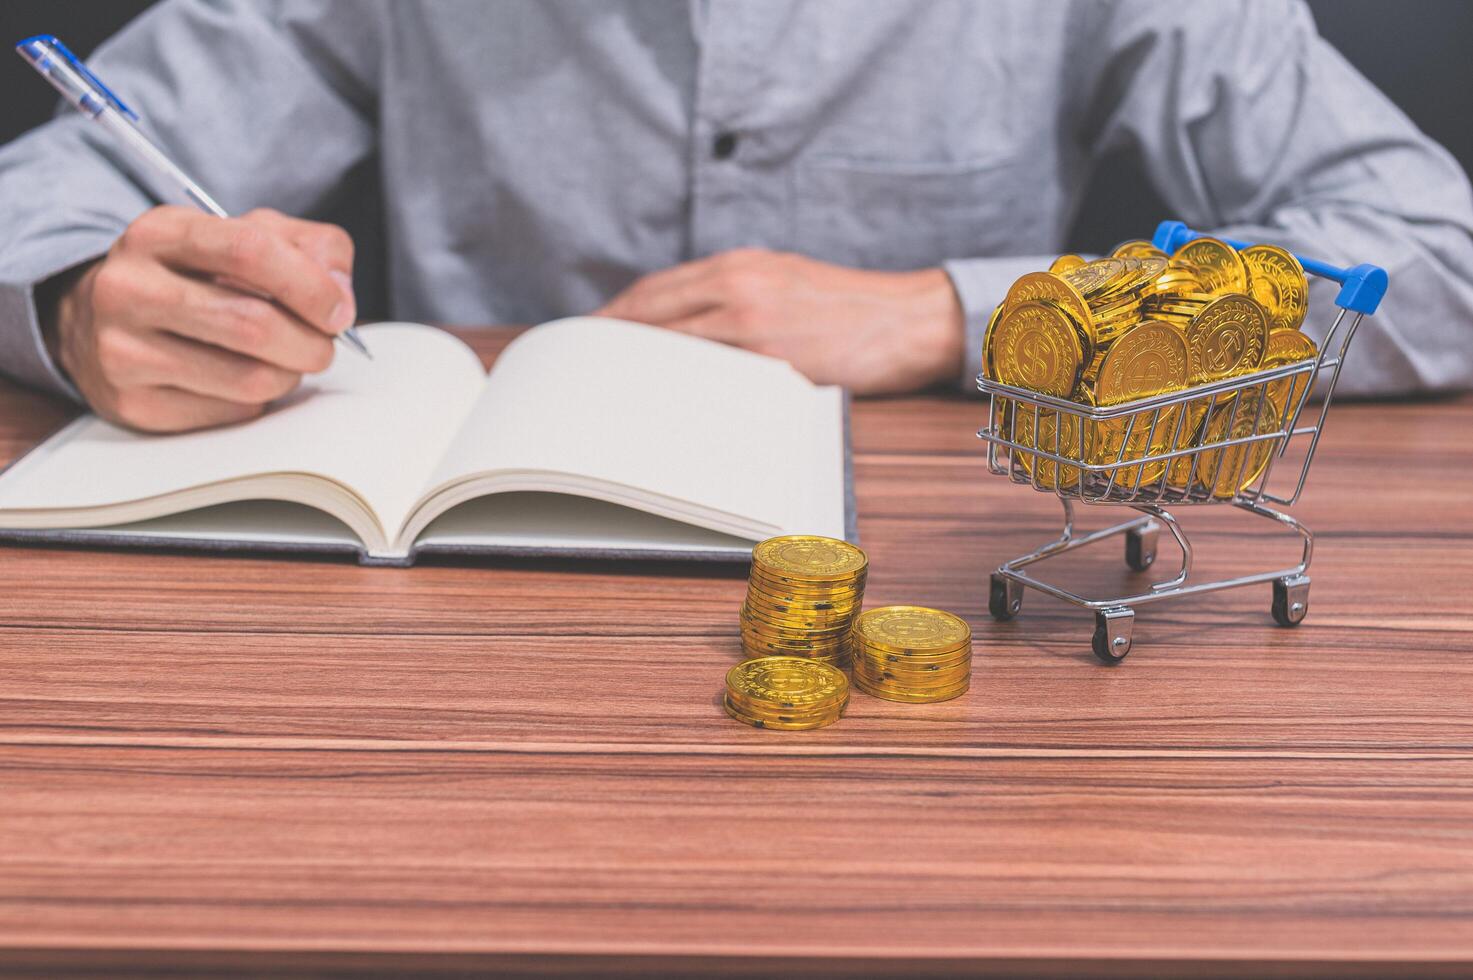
(265, 765)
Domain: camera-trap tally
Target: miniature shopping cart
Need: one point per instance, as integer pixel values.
(1190, 447)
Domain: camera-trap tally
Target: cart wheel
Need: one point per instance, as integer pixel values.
(1005, 598)
(1112, 634)
(1291, 599)
(1140, 545)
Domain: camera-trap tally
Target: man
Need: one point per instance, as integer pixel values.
(850, 186)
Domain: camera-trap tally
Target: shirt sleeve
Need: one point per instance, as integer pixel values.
(265, 104)
(1253, 126)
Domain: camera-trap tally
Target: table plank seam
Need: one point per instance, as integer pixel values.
(291, 744)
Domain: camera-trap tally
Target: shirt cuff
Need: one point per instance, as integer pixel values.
(980, 285)
(23, 353)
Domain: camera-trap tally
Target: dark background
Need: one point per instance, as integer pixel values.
(1416, 50)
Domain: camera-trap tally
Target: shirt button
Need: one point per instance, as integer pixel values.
(724, 145)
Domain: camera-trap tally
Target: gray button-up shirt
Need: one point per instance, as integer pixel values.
(535, 156)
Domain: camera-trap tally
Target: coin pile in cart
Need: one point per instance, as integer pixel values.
(1138, 324)
(802, 595)
(786, 693)
(911, 653)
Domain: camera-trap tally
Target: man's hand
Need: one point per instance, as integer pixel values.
(192, 320)
(873, 332)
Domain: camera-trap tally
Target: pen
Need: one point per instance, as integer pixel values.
(86, 93)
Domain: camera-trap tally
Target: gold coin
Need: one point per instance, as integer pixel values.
(1143, 441)
(930, 655)
(1065, 263)
(911, 629)
(987, 362)
(783, 715)
(1278, 282)
(1136, 279)
(1288, 347)
(775, 724)
(920, 679)
(752, 707)
(1137, 248)
(1008, 419)
(1215, 264)
(910, 665)
(1036, 347)
(807, 608)
(1096, 277)
(1147, 360)
(1255, 414)
(1180, 473)
(942, 688)
(913, 697)
(809, 558)
(1067, 438)
(839, 663)
(837, 659)
(1227, 338)
(1172, 282)
(772, 646)
(794, 613)
(1045, 287)
(1183, 302)
(904, 663)
(800, 641)
(757, 618)
(940, 691)
(805, 588)
(1116, 305)
(802, 620)
(786, 682)
(903, 682)
(757, 646)
(753, 623)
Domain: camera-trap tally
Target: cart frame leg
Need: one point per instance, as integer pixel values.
(1171, 588)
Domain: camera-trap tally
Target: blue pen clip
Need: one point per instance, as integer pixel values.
(42, 48)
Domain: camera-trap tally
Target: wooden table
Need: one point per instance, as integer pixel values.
(242, 765)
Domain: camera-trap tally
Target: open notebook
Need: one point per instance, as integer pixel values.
(590, 437)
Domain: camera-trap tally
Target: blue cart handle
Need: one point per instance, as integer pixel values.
(1361, 286)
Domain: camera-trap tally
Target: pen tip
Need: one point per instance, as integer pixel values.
(351, 338)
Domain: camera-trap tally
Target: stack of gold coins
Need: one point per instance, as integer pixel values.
(802, 595)
(1179, 308)
(786, 693)
(1114, 330)
(911, 653)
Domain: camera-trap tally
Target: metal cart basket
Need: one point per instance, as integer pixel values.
(1212, 444)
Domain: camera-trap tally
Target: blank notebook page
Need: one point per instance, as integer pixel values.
(667, 414)
(378, 426)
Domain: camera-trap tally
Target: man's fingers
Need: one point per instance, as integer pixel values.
(207, 370)
(172, 410)
(258, 257)
(669, 294)
(249, 325)
(714, 324)
(692, 287)
(661, 303)
(330, 245)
